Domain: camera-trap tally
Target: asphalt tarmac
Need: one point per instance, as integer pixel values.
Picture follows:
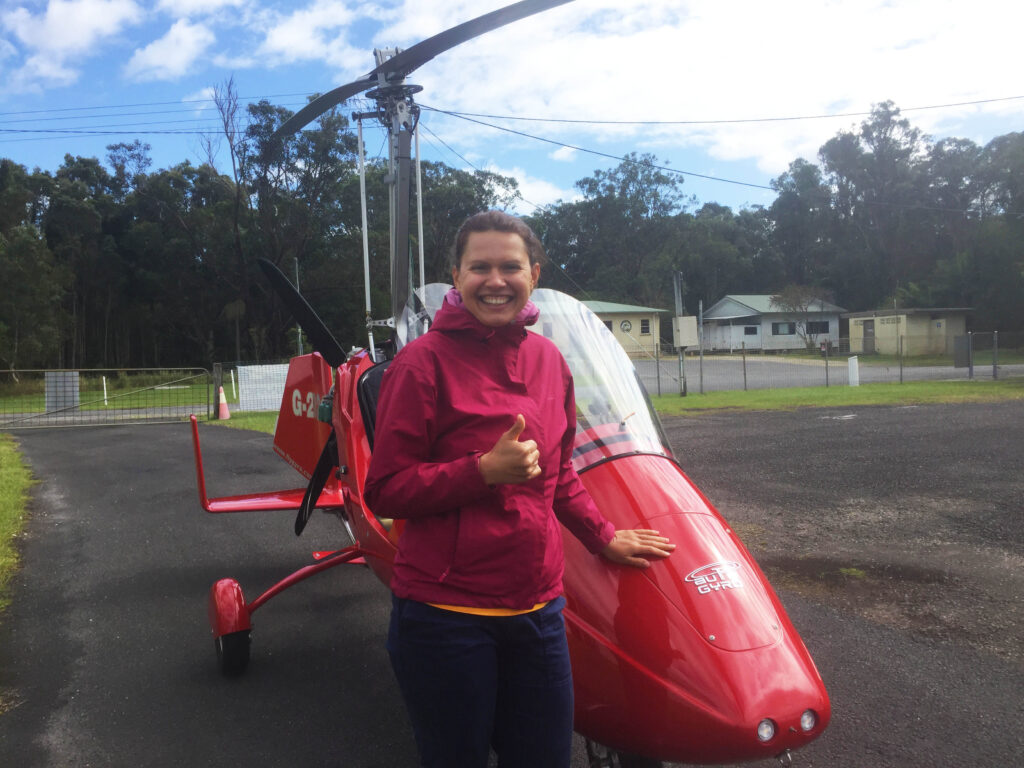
(106, 657)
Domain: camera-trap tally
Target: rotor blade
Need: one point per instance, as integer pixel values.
(405, 62)
(328, 461)
(317, 107)
(323, 341)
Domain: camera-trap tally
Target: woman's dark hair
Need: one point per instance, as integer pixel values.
(497, 221)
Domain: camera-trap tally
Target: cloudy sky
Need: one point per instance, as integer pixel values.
(728, 89)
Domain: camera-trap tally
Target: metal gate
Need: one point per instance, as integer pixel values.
(79, 397)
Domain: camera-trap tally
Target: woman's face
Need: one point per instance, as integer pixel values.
(495, 276)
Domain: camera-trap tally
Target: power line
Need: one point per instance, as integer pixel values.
(877, 203)
(519, 194)
(793, 118)
(713, 121)
(448, 146)
(203, 125)
(128, 128)
(467, 162)
(600, 154)
(248, 99)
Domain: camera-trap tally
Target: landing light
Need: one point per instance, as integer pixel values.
(766, 730)
(808, 720)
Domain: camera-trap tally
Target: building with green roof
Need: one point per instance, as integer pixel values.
(637, 329)
(758, 321)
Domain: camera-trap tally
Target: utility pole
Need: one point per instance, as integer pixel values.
(684, 329)
(298, 329)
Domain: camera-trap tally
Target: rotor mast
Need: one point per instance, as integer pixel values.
(399, 113)
(396, 109)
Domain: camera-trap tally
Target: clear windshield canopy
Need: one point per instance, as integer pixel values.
(613, 415)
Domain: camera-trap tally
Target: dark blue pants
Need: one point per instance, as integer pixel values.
(473, 682)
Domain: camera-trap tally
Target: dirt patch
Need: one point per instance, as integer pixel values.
(912, 518)
(9, 699)
(959, 591)
(931, 602)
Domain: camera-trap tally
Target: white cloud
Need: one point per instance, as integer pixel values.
(71, 26)
(536, 192)
(38, 70)
(172, 55)
(54, 40)
(232, 63)
(315, 33)
(199, 97)
(661, 60)
(192, 8)
(588, 60)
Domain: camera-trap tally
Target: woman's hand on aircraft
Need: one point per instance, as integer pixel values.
(634, 545)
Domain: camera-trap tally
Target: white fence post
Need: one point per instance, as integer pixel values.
(853, 373)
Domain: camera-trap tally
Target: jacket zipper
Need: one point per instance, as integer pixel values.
(455, 547)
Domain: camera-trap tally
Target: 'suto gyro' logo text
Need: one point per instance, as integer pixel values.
(716, 577)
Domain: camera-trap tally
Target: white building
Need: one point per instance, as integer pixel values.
(757, 322)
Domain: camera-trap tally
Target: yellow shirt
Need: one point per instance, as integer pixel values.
(489, 611)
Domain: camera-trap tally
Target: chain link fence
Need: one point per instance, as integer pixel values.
(250, 387)
(57, 398)
(987, 355)
(69, 397)
(79, 397)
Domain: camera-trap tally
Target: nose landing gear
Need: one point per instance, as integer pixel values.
(599, 756)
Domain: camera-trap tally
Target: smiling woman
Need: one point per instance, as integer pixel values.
(15, 480)
(495, 276)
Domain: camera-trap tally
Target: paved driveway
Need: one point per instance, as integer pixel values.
(731, 372)
(106, 659)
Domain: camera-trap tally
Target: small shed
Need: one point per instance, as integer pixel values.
(638, 329)
(745, 321)
(921, 331)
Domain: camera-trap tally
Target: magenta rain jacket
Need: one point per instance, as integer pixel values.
(445, 400)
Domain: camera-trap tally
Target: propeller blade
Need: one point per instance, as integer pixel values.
(325, 464)
(317, 107)
(406, 61)
(321, 338)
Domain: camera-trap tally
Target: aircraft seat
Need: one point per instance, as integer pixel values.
(368, 390)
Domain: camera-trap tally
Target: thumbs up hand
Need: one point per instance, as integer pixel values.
(511, 460)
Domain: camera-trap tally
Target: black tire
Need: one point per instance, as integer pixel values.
(637, 761)
(233, 652)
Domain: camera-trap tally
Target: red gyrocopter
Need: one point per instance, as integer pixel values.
(692, 660)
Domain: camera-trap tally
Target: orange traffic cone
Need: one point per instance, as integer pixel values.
(223, 412)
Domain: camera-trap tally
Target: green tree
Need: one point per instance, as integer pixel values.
(29, 316)
(803, 300)
(450, 196)
(801, 235)
(605, 243)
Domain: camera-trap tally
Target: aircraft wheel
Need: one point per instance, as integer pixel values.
(637, 761)
(600, 756)
(233, 652)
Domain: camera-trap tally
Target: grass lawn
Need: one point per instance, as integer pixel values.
(260, 421)
(15, 481)
(910, 393)
(144, 391)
